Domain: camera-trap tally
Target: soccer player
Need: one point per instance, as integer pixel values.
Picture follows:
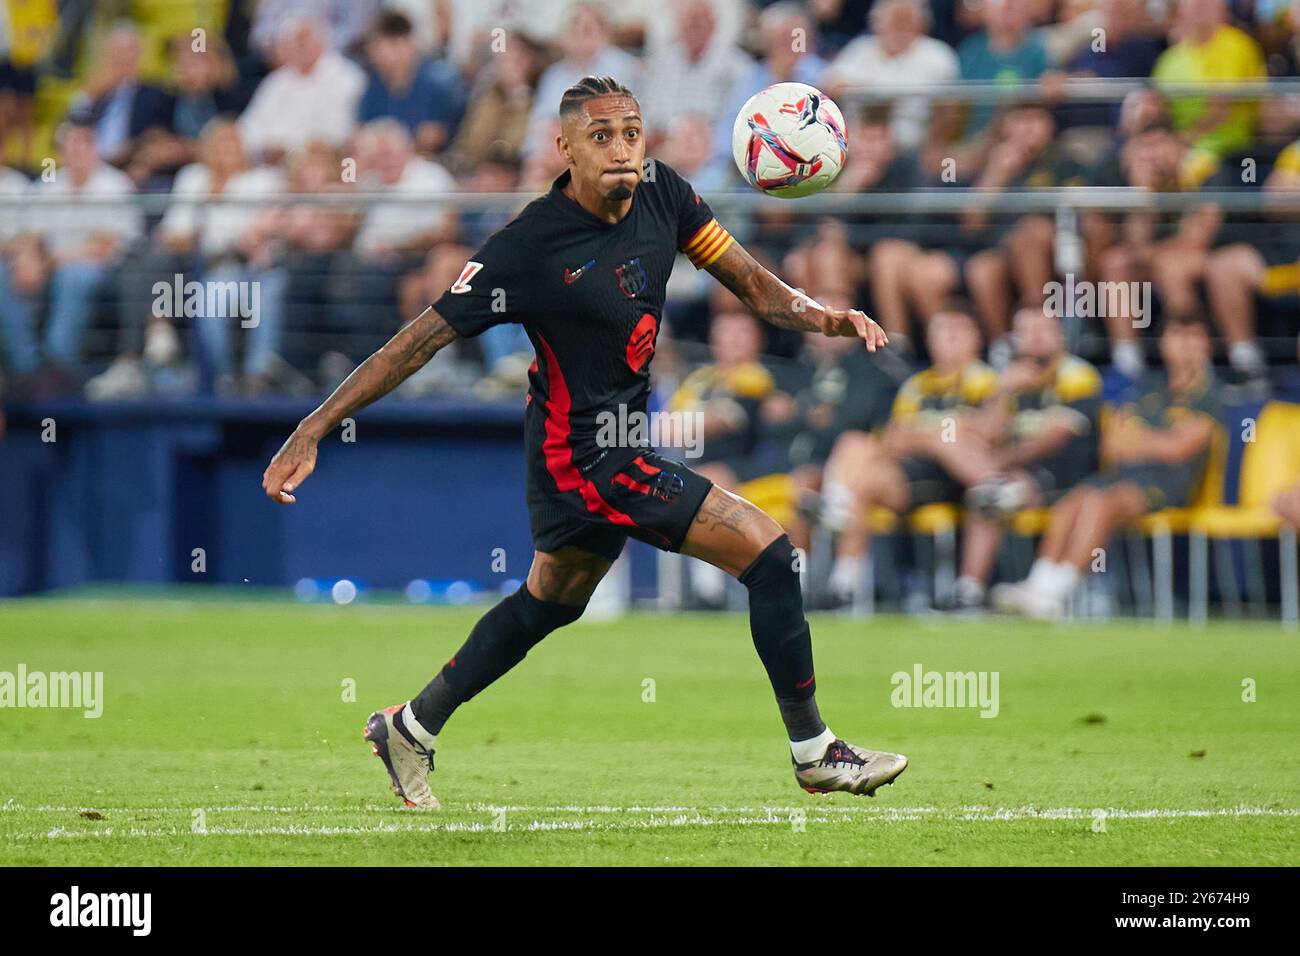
(583, 269)
(1156, 452)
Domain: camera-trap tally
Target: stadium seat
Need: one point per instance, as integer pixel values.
(1269, 464)
(1159, 526)
(937, 521)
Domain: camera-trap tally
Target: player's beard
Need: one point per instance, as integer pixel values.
(619, 193)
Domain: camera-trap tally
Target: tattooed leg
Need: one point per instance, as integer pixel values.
(729, 532)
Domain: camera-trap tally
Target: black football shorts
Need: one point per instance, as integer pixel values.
(648, 497)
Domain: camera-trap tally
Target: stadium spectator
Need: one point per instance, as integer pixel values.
(1235, 274)
(497, 172)
(1206, 49)
(897, 52)
(1006, 51)
(500, 102)
(994, 258)
(207, 86)
(313, 232)
(123, 108)
(197, 239)
(1126, 48)
(424, 95)
(726, 395)
(394, 237)
(701, 67)
(689, 148)
(1025, 450)
(832, 387)
(343, 22)
(67, 252)
(586, 49)
(839, 21)
(719, 404)
(312, 96)
(1024, 156)
(1143, 247)
(875, 164)
(1155, 453)
(27, 32)
(904, 465)
(786, 55)
(825, 260)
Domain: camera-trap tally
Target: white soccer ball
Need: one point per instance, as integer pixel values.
(789, 140)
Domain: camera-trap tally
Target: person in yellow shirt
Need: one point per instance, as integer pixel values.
(905, 464)
(30, 26)
(1205, 49)
(1036, 442)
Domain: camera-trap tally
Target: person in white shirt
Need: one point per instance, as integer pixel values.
(387, 163)
(393, 238)
(68, 249)
(198, 239)
(700, 70)
(313, 96)
(897, 53)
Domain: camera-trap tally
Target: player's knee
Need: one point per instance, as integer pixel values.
(776, 570)
(540, 617)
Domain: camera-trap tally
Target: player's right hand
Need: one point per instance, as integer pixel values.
(290, 467)
(853, 323)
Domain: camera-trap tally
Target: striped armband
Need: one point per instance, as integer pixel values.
(709, 242)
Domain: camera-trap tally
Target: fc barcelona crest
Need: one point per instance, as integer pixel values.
(632, 279)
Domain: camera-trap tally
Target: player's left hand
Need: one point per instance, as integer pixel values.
(852, 323)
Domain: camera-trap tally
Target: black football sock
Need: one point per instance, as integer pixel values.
(802, 719)
(781, 636)
(498, 642)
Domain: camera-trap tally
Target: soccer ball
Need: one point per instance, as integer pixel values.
(789, 140)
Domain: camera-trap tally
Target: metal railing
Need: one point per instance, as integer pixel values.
(1089, 90)
(952, 199)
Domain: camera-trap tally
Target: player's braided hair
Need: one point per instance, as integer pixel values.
(588, 88)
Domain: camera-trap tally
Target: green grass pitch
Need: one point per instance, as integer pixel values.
(227, 738)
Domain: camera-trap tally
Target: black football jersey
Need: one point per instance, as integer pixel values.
(590, 296)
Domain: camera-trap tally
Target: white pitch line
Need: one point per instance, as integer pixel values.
(652, 823)
(634, 818)
(963, 812)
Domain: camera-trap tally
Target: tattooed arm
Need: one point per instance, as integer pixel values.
(408, 350)
(773, 301)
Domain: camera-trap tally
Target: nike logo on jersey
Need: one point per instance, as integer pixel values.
(461, 285)
(573, 275)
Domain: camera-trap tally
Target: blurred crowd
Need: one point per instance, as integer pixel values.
(258, 100)
(295, 147)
